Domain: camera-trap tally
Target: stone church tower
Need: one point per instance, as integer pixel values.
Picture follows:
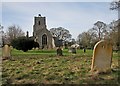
(41, 34)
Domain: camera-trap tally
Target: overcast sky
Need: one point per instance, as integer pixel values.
(77, 17)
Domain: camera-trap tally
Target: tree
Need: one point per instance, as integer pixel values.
(115, 5)
(1, 35)
(84, 39)
(100, 29)
(113, 33)
(61, 34)
(93, 37)
(13, 32)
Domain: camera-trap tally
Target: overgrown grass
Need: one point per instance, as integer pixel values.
(44, 66)
(53, 53)
(48, 52)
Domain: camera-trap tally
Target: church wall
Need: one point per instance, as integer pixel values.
(49, 38)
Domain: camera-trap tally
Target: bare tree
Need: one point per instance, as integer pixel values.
(1, 35)
(84, 39)
(100, 29)
(115, 5)
(13, 32)
(113, 33)
(93, 35)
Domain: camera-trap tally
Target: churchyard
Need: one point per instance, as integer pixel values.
(46, 67)
(40, 55)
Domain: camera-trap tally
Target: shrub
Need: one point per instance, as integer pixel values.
(23, 43)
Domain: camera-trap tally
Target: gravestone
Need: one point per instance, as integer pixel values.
(102, 57)
(36, 48)
(73, 50)
(59, 52)
(84, 49)
(6, 52)
(69, 50)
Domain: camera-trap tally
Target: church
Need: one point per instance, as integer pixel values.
(41, 34)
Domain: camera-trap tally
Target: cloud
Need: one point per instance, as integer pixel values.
(76, 17)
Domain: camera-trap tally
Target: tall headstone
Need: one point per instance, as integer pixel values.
(6, 52)
(102, 57)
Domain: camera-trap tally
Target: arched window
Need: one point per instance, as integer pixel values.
(44, 40)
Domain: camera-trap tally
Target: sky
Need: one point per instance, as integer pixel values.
(76, 17)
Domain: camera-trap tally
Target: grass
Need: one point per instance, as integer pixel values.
(44, 66)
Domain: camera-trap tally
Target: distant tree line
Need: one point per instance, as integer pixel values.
(99, 31)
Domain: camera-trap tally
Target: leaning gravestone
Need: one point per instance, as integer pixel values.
(102, 57)
(6, 52)
(59, 52)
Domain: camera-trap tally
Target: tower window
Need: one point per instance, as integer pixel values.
(39, 22)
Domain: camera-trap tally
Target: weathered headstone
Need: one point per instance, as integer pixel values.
(36, 48)
(73, 50)
(6, 52)
(102, 57)
(84, 49)
(69, 50)
(59, 52)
